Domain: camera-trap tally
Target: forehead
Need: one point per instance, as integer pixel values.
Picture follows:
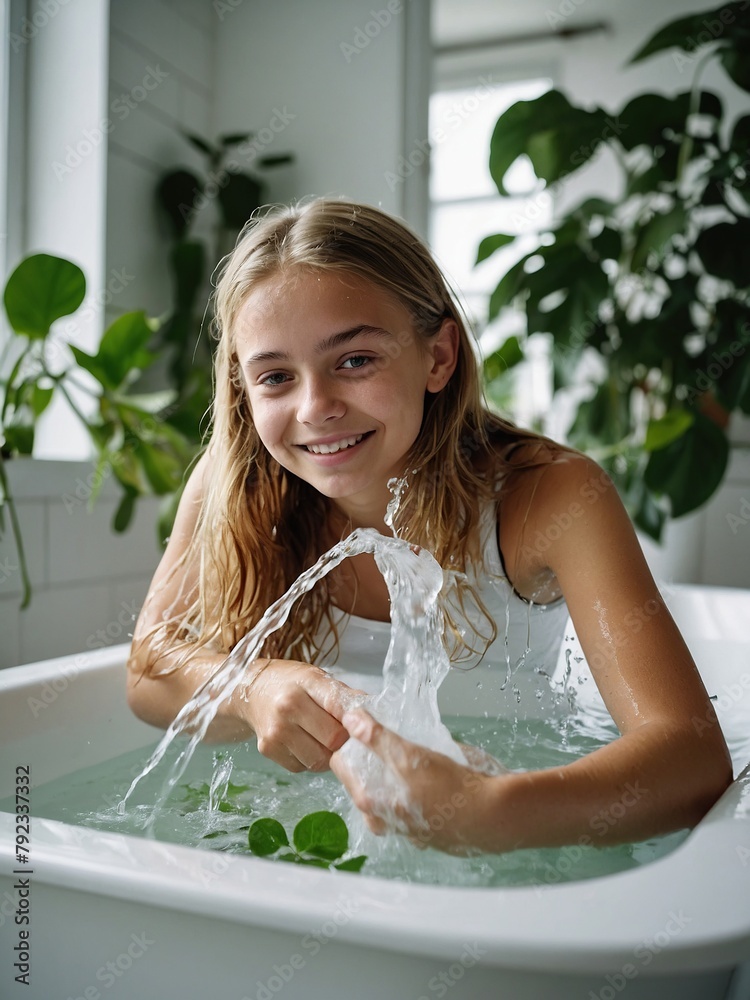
(314, 301)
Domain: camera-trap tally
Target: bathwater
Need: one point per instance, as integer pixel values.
(223, 790)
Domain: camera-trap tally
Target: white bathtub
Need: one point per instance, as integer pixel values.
(115, 916)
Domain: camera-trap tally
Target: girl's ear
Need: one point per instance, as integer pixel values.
(444, 353)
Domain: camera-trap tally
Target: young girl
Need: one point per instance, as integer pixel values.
(342, 362)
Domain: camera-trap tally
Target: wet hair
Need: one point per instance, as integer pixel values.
(260, 525)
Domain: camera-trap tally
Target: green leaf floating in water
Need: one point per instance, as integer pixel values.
(320, 838)
(352, 864)
(322, 834)
(266, 836)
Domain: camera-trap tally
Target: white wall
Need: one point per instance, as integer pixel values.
(171, 47)
(340, 76)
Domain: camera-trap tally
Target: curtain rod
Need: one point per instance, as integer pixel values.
(532, 36)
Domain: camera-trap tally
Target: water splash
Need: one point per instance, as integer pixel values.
(415, 664)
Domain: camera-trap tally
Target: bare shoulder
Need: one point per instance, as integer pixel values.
(552, 497)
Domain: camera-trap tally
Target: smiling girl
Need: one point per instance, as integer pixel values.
(343, 362)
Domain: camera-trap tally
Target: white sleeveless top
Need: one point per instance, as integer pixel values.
(515, 672)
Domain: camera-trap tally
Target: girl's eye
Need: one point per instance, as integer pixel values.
(267, 379)
(361, 359)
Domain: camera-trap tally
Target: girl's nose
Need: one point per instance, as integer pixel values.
(319, 401)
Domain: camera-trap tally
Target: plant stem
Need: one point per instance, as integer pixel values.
(686, 146)
(72, 405)
(8, 498)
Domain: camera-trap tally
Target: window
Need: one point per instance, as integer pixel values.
(466, 206)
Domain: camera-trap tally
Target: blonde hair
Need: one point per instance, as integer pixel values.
(258, 515)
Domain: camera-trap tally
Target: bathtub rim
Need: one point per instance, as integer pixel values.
(531, 929)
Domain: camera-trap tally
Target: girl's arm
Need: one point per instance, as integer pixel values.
(662, 774)
(289, 705)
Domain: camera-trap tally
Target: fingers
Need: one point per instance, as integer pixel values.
(358, 794)
(389, 746)
(333, 695)
(296, 750)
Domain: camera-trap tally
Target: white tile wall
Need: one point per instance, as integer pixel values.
(88, 582)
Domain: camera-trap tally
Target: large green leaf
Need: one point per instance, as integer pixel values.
(648, 118)
(667, 429)
(19, 431)
(725, 23)
(492, 243)
(266, 836)
(737, 64)
(506, 356)
(41, 290)
(723, 250)
(740, 142)
(162, 467)
(125, 511)
(509, 286)
(691, 468)
(121, 350)
(557, 137)
(322, 834)
(646, 513)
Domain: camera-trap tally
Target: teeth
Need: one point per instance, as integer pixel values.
(334, 446)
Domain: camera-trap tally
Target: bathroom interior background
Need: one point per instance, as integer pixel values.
(353, 105)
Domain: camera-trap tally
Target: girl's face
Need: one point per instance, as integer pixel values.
(336, 377)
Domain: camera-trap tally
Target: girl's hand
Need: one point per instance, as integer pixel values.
(294, 708)
(450, 806)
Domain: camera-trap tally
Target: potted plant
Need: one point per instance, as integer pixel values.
(653, 282)
(182, 197)
(136, 438)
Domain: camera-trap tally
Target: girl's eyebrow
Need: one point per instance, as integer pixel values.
(335, 340)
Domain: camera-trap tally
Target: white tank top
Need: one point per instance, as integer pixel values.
(515, 672)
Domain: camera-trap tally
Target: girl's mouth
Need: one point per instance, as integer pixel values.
(337, 448)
